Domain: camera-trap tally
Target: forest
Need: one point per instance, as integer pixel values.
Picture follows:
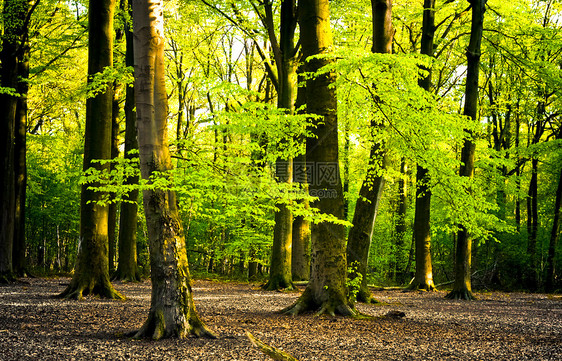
(326, 148)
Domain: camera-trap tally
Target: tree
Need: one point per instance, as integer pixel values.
(285, 59)
(367, 205)
(554, 236)
(172, 311)
(127, 269)
(326, 290)
(463, 258)
(20, 153)
(14, 58)
(423, 278)
(91, 273)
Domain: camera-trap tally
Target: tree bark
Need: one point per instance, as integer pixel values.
(532, 226)
(554, 236)
(127, 269)
(300, 263)
(280, 275)
(366, 208)
(360, 235)
(172, 310)
(423, 279)
(13, 38)
(400, 227)
(326, 291)
(112, 211)
(91, 274)
(463, 259)
(20, 162)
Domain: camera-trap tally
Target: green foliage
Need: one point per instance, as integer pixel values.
(226, 135)
(353, 281)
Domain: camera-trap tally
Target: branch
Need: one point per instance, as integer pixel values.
(270, 351)
(251, 35)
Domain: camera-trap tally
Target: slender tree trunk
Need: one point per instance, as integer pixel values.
(20, 162)
(366, 208)
(112, 211)
(280, 276)
(346, 161)
(532, 226)
(127, 269)
(300, 263)
(554, 236)
(360, 235)
(423, 278)
(400, 226)
(91, 274)
(326, 291)
(463, 258)
(14, 13)
(172, 310)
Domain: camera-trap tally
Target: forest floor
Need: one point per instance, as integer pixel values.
(498, 326)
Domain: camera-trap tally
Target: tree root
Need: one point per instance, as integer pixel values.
(125, 277)
(277, 284)
(155, 327)
(7, 278)
(365, 296)
(421, 286)
(270, 351)
(305, 304)
(76, 290)
(460, 295)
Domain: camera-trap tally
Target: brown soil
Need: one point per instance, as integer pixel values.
(498, 326)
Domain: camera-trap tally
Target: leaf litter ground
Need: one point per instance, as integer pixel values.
(498, 326)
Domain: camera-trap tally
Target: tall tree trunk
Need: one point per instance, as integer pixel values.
(423, 278)
(532, 226)
(532, 278)
(20, 162)
(172, 310)
(300, 263)
(127, 269)
(360, 235)
(91, 274)
(554, 236)
(359, 240)
(112, 211)
(400, 226)
(280, 274)
(13, 39)
(326, 291)
(463, 258)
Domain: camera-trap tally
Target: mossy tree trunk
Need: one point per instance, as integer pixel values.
(91, 272)
(127, 268)
(172, 310)
(326, 291)
(423, 279)
(366, 208)
(463, 258)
